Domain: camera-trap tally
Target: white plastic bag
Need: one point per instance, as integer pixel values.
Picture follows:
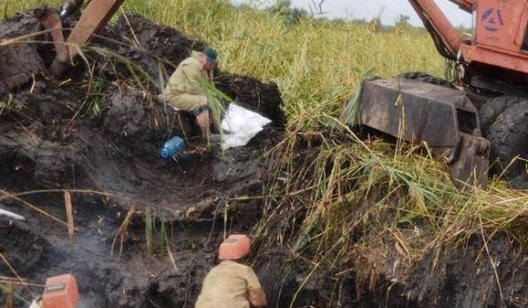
(242, 125)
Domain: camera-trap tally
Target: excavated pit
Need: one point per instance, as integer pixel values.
(53, 139)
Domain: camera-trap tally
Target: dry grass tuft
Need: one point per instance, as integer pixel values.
(339, 202)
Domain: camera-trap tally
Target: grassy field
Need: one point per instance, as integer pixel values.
(318, 65)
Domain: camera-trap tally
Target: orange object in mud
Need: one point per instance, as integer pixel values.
(235, 247)
(60, 292)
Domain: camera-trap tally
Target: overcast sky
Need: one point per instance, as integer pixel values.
(389, 9)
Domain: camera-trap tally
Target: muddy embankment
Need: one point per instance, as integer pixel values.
(147, 229)
(357, 251)
(474, 274)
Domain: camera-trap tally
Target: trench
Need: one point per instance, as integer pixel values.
(147, 229)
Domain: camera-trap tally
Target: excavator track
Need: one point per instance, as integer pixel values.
(428, 78)
(493, 108)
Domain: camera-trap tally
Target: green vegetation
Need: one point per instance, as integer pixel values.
(363, 201)
(316, 63)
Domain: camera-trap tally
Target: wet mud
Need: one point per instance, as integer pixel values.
(464, 276)
(147, 229)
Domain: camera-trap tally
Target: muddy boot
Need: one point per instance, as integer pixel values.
(209, 143)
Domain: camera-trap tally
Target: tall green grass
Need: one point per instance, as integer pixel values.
(339, 204)
(317, 64)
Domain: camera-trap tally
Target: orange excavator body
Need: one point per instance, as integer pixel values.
(500, 33)
(493, 71)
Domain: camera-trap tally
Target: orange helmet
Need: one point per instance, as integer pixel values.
(234, 247)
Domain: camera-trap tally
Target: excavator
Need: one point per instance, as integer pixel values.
(19, 59)
(479, 118)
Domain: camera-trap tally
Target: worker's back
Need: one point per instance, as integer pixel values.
(226, 285)
(187, 78)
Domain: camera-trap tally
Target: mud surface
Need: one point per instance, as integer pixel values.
(97, 132)
(465, 276)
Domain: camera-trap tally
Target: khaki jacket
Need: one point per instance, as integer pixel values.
(227, 285)
(188, 78)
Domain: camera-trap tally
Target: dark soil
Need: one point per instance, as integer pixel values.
(376, 271)
(99, 136)
(446, 277)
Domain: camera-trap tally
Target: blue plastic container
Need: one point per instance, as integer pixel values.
(172, 147)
